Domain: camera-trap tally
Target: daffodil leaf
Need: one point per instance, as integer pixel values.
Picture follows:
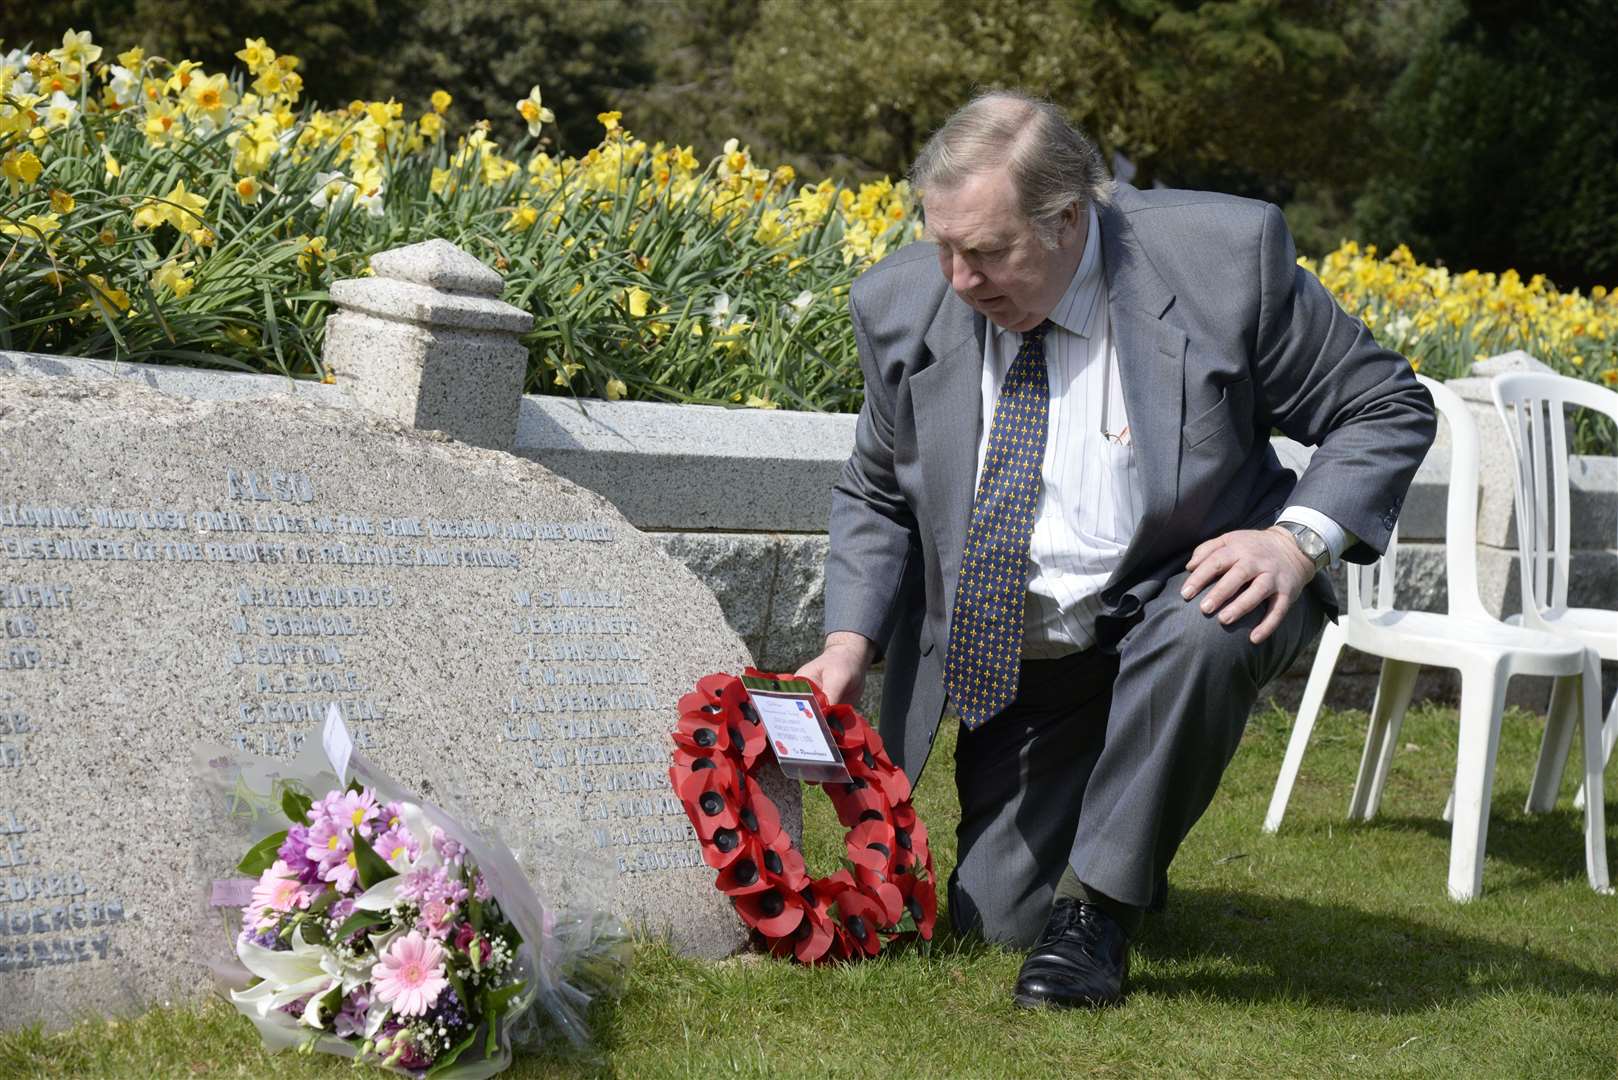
(261, 856)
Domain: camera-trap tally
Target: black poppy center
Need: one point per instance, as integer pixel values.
(726, 840)
(749, 713)
(877, 846)
(745, 872)
(711, 708)
(857, 784)
(702, 763)
(750, 821)
(903, 836)
(871, 815)
(865, 756)
(836, 724)
(857, 927)
(711, 803)
(705, 736)
(772, 862)
(771, 904)
(914, 907)
(735, 736)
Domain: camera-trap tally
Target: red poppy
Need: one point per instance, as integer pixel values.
(862, 918)
(772, 912)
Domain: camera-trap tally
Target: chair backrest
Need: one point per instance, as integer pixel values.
(1532, 405)
(1460, 523)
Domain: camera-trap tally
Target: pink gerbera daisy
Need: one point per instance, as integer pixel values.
(410, 975)
(278, 890)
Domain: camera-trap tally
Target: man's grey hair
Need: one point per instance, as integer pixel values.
(1052, 163)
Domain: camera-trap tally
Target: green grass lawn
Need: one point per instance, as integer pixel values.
(1327, 950)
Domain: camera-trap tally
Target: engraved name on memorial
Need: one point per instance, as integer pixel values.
(176, 572)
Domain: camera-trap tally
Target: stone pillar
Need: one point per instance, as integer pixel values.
(427, 341)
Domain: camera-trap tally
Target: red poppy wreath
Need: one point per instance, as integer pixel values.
(886, 891)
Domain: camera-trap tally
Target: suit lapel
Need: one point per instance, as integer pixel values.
(948, 399)
(1151, 368)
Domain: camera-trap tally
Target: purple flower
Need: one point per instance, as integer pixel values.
(448, 848)
(341, 910)
(417, 882)
(351, 1019)
(480, 888)
(397, 847)
(294, 851)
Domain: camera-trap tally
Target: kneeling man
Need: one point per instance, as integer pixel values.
(1064, 516)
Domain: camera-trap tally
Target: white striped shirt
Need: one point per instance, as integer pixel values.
(1090, 493)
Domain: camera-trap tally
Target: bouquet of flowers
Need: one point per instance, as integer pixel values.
(378, 927)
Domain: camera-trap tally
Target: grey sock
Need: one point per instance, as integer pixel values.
(1069, 887)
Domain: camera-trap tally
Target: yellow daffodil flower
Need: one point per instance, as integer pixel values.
(441, 101)
(173, 276)
(62, 202)
(616, 389)
(31, 227)
(534, 113)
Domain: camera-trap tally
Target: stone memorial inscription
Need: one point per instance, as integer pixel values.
(226, 573)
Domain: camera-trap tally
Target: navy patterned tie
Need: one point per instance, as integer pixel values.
(985, 633)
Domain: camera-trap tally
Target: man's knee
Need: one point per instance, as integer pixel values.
(998, 916)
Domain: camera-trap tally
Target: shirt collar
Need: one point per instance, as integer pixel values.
(1075, 311)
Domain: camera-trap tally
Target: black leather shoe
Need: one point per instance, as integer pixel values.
(1080, 960)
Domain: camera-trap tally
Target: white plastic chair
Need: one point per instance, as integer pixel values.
(1531, 404)
(1485, 651)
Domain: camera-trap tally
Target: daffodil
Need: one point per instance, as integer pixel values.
(312, 254)
(441, 101)
(31, 227)
(180, 208)
(62, 202)
(256, 55)
(61, 111)
(638, 298)
(109, 301)
(329, 187)
(248, 189)
(534, 112)
(77, 51)
(20, 169)
(616, 389)
(114, 170)
(608, 120)
(173, 276)
(522, 219)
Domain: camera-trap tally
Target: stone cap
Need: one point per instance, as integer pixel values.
(433, 283)
(1475, 387)
(439, 264)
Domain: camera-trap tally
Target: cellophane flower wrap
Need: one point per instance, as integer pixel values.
(373, 924)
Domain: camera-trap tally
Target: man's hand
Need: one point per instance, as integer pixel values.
(1246, 568)
(840, 669)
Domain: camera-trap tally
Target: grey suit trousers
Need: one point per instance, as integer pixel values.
(1106, 760)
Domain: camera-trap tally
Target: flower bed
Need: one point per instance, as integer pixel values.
(156, 211)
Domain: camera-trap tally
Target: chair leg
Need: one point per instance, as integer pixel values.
(1314, 693)
(1566, 711)
(1483, 697)
(1387, 714)
(1609, 735)
(1595, 827)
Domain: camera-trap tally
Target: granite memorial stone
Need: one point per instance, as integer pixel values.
(175, 572)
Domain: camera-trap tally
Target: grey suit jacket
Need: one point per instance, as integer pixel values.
(1220, 338)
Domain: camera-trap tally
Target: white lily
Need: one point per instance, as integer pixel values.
(310, 971)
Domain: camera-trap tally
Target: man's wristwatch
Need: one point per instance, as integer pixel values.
(1309, 542)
